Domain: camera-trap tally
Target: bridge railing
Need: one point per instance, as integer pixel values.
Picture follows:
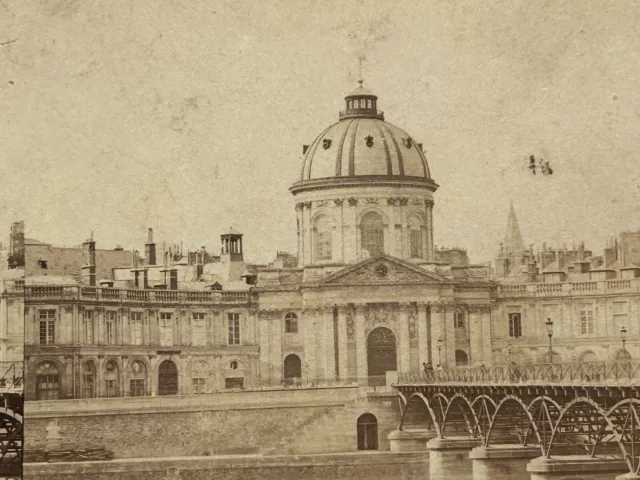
(595, 373)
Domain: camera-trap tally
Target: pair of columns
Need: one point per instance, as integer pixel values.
(463, 458)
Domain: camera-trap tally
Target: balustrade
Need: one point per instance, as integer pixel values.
(568, 288)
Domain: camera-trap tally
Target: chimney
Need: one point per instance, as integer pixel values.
(561, 255)
(150, 249)
(145, 276)
(609, 256)
(89, 270)
(532, 270)
(173, 279)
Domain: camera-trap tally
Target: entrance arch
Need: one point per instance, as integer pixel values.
(168, 378)
(381, 355)
(367, 427)
(461, 358)
(292, 369)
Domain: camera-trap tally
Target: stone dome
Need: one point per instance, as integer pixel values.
(363, 144)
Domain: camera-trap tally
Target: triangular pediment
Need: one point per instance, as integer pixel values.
(381, 269)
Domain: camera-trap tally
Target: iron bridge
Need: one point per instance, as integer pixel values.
(564, 409)
(11, 424)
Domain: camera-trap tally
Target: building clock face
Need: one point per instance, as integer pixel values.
(381, 271)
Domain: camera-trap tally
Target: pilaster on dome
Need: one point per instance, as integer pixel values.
(361, 103)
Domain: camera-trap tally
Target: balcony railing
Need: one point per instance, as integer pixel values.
(117, 295)
(596, 373)
(568, 288)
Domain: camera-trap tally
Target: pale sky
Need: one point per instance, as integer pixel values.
(190, 116)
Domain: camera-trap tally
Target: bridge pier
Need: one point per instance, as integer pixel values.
(577, 467)
(504, 462)
(410, 440)
(449, 458)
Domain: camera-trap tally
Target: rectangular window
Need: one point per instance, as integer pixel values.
(136, 328)
(515, 325)
(198, 385)
(416, 244)
(47, 387)
(136, 387)
(234, 383)
(166, 329)
(111, 390)
(88, 327)
(458, 320)
(586, 322)
(323, 245)
(234, 328)
(47, 327)
(291, 324)
(199, 330)
(110, 328)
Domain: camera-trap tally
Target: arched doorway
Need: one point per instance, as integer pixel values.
(461, 358)
(88, 380)
(367, 432)
(381, 355)
(168, 378)
(292, 369)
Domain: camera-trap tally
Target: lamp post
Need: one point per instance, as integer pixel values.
(440, 351)
(623, 335)
(549, 325)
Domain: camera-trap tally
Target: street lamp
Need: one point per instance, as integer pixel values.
(440, 351)
(623, 335)
(549, 325)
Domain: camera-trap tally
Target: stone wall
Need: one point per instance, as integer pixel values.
(266, 422)
(370, 466)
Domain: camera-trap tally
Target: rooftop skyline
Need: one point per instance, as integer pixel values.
(119, 119)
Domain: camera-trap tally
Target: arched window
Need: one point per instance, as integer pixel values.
(88, 380)
(291, 323)
(47, 382)
(367, 432)
(322, 241)
(137, 379)
(292, 369)
(167, 378)
(372, 234)
(110, 379)
(461, 357)
(458, 319)
(415, 240)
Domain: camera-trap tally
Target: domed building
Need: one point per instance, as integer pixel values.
(364, 189)
(368, 297)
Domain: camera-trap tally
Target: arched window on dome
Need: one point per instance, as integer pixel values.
(322, 238)
(415, 240)
(372, 234)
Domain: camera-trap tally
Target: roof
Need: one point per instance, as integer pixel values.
(342, 150)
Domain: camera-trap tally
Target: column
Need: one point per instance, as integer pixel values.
(404, 358)
(423, 338)
(361, 345)
(504, 462)
(276, 347)
(449, 458)
(306, 216)
(486, 314)
(577, 467)
(309, 333)
(437, 331)
(265, 343)
(338, 249)
(330, 347)
(320, 345)
(349, 232)
(429, 211)
(450, 337)
(475, 334)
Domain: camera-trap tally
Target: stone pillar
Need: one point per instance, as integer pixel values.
(404, 354)
(437, 331)
(487, 313)
(410, 440)
(474, 322)
(361, 344)
(504, 462)
(576, 467)
(309, 326)
(338, 252)
(429, 204)
(321, 344)
(276, 360)
(329, 349)
(265, 344)
(343, 358)
(449, 458)
(423, 337)
(300, 233)
(449, 358)
(306, 222)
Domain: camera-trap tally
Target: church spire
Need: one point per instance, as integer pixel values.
(513, 244)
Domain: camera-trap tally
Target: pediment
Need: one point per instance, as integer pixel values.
(382, 269)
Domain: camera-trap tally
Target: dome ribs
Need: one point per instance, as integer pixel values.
(386, 149)
(352, 148)
(398, 152)
(312, 151)
(340, 149)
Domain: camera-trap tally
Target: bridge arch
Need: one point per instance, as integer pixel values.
(420, 397)
(524, 408)
(468, 415)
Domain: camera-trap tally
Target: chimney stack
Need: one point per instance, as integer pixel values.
(609, 256)
(89, 270)
(150, 249)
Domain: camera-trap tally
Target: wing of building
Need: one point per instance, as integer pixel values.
(367, 295)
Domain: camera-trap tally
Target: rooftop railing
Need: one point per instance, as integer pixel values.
(118, 295)
(597, 373)
(569, 288)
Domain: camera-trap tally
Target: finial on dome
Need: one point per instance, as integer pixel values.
(361, 81)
